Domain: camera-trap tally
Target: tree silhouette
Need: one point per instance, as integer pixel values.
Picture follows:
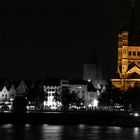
(19, 104)
(132, 96)
(111, 96)
(36, 97)
(66, 97)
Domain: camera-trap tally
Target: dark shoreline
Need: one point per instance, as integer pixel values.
(69, 118)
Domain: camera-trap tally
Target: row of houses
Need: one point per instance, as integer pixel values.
(51, 86)
(10, 90)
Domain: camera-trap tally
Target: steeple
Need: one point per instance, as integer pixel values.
(123, 35)
(124, 27)
(133, 32)
(92, 53)
(133, 3)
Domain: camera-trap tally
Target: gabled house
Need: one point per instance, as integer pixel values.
(22, 88)
(12, 92)
(4, 94)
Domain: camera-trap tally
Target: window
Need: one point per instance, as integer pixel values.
(129, 53)
(134, 53)
(138, 53)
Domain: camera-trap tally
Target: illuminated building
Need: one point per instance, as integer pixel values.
(12, 92)
(50, 102)
(4, 94)
(86, 91)
(51, 87)
(92, 97)
(128, 67)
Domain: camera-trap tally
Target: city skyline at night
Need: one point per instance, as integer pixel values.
(54, 39)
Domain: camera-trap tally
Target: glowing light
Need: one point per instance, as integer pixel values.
(89, 80)
(136, 114)
(89, 105)
(27, 125)
(95, 103)
(81, 126)
(7, 126)
(136, 131)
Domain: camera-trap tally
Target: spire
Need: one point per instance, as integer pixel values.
(92, 53)
(124, 27)
(133, 25)
(92, 57)
(133, 3)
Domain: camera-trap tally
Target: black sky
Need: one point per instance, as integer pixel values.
(40, 38)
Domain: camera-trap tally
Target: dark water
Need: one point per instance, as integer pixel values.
(67, 132)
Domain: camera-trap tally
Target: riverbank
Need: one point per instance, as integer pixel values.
(60, 118)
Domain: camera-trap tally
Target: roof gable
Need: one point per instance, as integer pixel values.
(134, 69)
(12, 89)
(4, 89)
(22, 85)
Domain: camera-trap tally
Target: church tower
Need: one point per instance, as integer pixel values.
(123, 50)
(128, 68)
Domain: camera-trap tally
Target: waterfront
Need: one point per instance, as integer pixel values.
(67, 132)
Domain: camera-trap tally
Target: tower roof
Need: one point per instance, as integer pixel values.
(131, 26)
(124, 27)
(133, 30)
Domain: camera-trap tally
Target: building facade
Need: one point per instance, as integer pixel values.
(50, 102)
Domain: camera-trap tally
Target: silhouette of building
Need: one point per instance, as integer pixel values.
(91, 71)
(128, 67)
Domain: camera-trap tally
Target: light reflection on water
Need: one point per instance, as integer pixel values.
(67, 132)
(51, 132)
(136, 132)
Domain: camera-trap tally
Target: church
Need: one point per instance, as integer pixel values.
(128, 62)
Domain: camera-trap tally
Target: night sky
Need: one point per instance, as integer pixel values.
(40, 38)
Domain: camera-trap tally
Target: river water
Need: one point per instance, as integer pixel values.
(67, 132)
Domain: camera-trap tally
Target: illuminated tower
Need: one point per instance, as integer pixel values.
(128, 54)
(123, 51)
